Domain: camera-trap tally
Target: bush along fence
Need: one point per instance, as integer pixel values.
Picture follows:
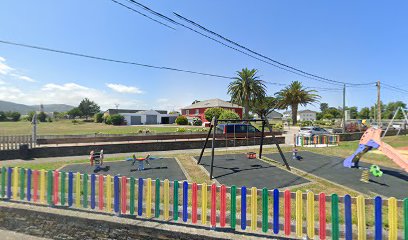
(251, 209)
(321, 140)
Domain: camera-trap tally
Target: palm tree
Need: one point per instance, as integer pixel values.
(246, 88)
(296, 94)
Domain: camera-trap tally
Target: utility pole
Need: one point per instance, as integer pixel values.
(378, 104)
(344, 108)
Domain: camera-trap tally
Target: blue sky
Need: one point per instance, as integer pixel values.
(352, 41)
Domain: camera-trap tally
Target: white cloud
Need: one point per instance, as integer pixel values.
(2, 82)
(2, 59)
(4, 68)
(9, 71)
(63, 87)
(123, 88)
(10, 93)
(22, 77)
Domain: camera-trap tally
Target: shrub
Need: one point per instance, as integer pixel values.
(197, 122)
(181, 130)
(3, 116)
(42, 117)
(181, 120)
(14, 116)
(117, 119)
(212, 112)
(306, 123)
(98, 117)
(227, 114)
(49, 119)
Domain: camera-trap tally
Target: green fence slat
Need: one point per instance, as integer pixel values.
(265, 223)
(63, 177)
(175, 200)
(157, 199)
(3, 181)
(335, 216)
(22, 183)
(49, 187)
(85, 191)
(132, 196)
(406, 218)
(233, 206)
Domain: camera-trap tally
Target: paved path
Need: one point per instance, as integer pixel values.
(9, 235)
(394, 182)
(237, 169)
(164, 168)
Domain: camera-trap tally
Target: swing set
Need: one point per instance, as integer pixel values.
(231, 124)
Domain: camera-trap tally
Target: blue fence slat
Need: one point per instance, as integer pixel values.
(348, 235)
(29, 172)
(378, 218)
(9, 173)
(185, 201)
(116, 194)
(276, 211)
(70, 188)
(140, 198)
(93, 177)
(243, 207)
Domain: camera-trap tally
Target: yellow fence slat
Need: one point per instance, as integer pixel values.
(78, 189)
(149, 198)
(361, 219)
(108, 193)
(166, 193)
(204, 203)
(299, 215)
(15, 182)
(393, 218)
(310, 215)
(254, 208)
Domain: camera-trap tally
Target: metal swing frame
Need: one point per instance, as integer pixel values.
(213, 126)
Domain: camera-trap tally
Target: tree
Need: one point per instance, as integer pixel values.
(263, 107)
(117, 119)
(364, 113)
(3, 116)
(327, 116)
(390, 109)
(246, 88)
(75, 112)
(228, 114)
(88, 108)
(209, 113)
(42, 117)
(14, 116)
(353, 112)
(294, 95)
(335, 112)
(324, 107)
(98, 117)
(181, 120)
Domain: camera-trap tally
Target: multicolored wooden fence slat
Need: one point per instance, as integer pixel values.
(85, 190)
(93, 191)
(36, 174)
(348, 234)
(378, 218)
(116, 196)
(55, 187)
(223, 205)
(243, 207)
(140, 197)
(15, 182)
(361, 220)
(194, 189)
(233, 210)
(157, 199)
(406, 218)
(322, 216)
(254, 208)
(148, 197)
(22, 183)
(77, 190)
(166, 199)
(63, 183)
(265, 210)
(175, 200)
(213, 205)
(310, 215)
(108, 193)
(185, 201)
(29, 174)
(393, 218)
(132, 195)
(124, 194)
(70, 188)
(287, 212)
(49, 187)
(335, 216)
(9, 176)
(276, 211)
(100, 191)
(299, 214)
(3, 181)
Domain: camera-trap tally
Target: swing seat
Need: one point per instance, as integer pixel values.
(251, 155)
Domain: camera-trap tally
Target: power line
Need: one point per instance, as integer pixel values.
(390, 87)
(113, 60)
(134, 10)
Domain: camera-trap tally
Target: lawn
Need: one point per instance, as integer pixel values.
(67, 127)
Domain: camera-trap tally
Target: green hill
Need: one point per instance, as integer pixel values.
(24, 109)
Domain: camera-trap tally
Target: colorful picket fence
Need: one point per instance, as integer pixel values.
(316, 140)
(269, 211)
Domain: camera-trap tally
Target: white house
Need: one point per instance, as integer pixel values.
(149, 117)
(302, 115)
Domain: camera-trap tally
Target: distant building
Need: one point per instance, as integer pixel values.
(198, 108)
(302, 115)
(143, 117)
(274, 115)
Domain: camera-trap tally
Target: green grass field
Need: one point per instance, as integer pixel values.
(66, 127)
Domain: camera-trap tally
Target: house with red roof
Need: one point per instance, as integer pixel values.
(198, 108)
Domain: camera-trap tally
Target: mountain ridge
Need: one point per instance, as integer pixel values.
(7, 106)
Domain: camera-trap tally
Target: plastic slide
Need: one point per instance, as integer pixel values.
(371, 139)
